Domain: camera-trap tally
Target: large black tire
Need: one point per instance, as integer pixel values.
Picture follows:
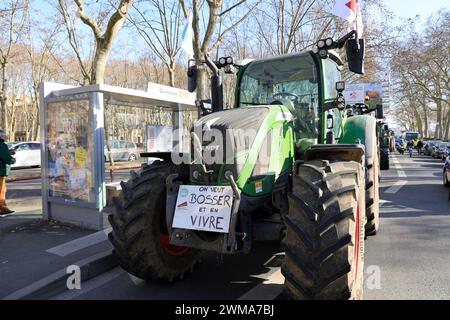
(139, 232)
(372, 195)
(324, 243)
(384, 159)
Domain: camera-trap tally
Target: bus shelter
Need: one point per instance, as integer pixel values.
(86, 131)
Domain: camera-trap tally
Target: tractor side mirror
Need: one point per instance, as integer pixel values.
(355, 55)
(379, 112)
(192, 76)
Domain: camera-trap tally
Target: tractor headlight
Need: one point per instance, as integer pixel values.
(321, 44)
(329, 42)
(229, 60)
(323, 53)
(222, 61)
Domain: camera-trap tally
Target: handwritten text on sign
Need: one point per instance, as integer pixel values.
(204, 208)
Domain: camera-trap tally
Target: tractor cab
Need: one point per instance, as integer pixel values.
(292, 81)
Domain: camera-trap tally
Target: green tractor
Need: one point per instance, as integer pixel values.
(385, 145)
(385, 139)
(384, 134)
(285, 164)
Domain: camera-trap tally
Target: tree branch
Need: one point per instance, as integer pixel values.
(88, 21)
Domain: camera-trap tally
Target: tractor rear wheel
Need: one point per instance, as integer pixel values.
(139, 232)
(324, 243)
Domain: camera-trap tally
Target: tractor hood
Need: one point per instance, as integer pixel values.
(226, 137)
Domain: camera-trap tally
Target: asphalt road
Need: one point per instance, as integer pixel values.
(412, 249)
(407, 259)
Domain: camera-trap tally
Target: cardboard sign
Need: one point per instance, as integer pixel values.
(203, 208)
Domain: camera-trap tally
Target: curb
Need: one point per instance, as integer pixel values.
(34, 201)
(23, 179)
(55, 283)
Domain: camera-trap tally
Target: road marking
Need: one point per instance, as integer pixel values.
(396, 187)
(383, 202)
(399, 168)
(271, 288)
(81, 243)
(56, 281)
(90, 285)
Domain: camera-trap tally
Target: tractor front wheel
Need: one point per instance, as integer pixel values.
(139, 232)
(324, 243)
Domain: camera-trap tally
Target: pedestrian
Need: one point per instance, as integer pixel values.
(6, 160)
(419, 146)
(410, 147)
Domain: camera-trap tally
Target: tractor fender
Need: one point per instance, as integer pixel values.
(336, 152)
(362, 128)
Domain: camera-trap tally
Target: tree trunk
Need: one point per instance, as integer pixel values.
(438, 130)
(447, 126)
(99, 65)
(171, 71)
(203, 91)
(425, 118)
(3, 97)
(36, 122)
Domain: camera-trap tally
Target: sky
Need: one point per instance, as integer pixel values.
(411, 8)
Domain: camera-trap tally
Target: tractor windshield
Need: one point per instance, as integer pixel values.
(292, 81)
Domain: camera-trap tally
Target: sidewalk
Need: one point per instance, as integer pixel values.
(35, 253)
(32, 249)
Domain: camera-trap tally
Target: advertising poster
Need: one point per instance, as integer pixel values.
(356, 93)
(159, 139)
(374, 91)
(70, 146)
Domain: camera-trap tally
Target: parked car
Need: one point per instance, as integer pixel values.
(445, 152)
(122, 150)
(434, 150)
(446, 173)
(28, 154)
(428, 148)
(442, 150)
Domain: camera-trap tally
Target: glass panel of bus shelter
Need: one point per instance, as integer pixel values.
(131, 129)
(70, 151)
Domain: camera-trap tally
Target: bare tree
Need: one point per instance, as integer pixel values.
(213, 36)
(12, 22)
(421, 67)
(159, 25)
(103, 40)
